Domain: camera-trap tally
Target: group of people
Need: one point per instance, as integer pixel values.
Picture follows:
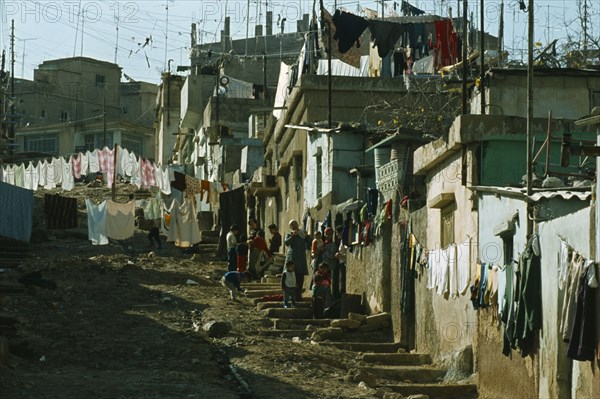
(244, 254)
(327, 254)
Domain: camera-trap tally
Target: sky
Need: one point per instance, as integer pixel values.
(138, 37)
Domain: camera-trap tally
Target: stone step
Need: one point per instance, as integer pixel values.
(291, 313)
(262, 286)
(271, 280)
(376, 347)
(261, 293)
(268, 305)
(290, 333)
(210, 240)
(437, 391)
(415, 374)
(396, 359)
(209, 233)
(202, 247)
(286, 324)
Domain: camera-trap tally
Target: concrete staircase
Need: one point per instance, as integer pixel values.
(397, 373)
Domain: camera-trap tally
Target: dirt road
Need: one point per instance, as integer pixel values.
(126, 323)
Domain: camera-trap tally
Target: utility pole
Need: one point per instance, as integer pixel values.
(104, 120)
(11, 138)
(23, 56)
(166, 36)
(530, 118)
(585, 14)
(247, 28)
(501, 35)
(117, 43)
(464, 58)
(82, 31)
(482, 50)
(2, 107)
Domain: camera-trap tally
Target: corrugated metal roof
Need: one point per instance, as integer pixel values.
(566, 194)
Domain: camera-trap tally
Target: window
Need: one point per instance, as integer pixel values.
(132, 144)
(43, 113)
(46, 143)
(88, 142)
(595, 100)
(447, 225)
(100, 80)
(64, 116)
(125, 110)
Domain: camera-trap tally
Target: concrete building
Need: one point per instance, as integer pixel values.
(568, 93)
(465, 206)
(167, 116)
(68, 103)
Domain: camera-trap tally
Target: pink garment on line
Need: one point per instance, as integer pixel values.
(76, 164)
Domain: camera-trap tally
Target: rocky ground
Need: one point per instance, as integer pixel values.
(125, 321)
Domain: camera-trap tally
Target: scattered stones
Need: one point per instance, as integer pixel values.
(459, 364)
(191, 282)
(330, 333)
(381, 318)
(217, 329)
(357, 317)
(346, 323)
(358, 376)
(420, 396)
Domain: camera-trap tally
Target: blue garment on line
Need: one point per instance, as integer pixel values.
(16, 212)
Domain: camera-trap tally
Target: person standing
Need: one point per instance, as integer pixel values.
(296, 251)
(339, 268)
(288, 284)
(232, 248)
(275, 241)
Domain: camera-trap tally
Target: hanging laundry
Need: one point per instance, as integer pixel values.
(452, 271)
(10, 175)
(386, 35)
(192, 187)
(104, 158)
(31, 180)
(204, 189)
(96, 215)
(42, 168)
(528, 316)
(564, 257)
(572, 281)
(75, 161)
(409, 9)
(123, 163)
(16, 212)
(179, 182)
(57, 166)
(93, 161)
(120, 220)
(136, 170)
(443, 271)
(407, 273)
(152, 210)
(348, 29)
(60, 212)
(464, 266)
(68, 180)
(446, 43)
(147, 173)
(372, 199)
(582, 343)
(183, 227)
(433, 260)
(166, 181)
(20, 176)
(85, 164)
(49, 175)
